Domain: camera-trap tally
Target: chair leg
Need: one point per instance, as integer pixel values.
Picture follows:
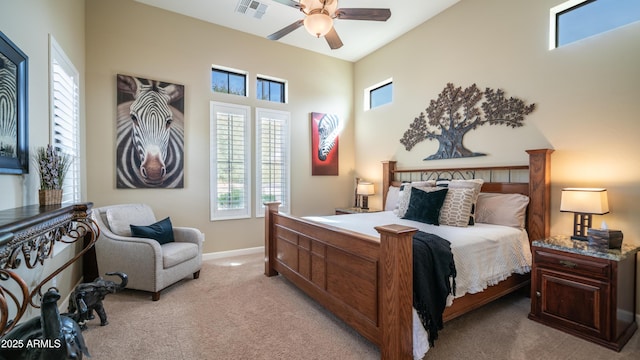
(155, 296)
(196, 274)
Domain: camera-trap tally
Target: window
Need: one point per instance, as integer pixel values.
(230, 161)
(65, 118)
(578, 19)
(378, 95)
(270, 89)
(228, 81)
(272, 154)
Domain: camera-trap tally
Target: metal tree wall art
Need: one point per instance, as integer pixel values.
(457, 111)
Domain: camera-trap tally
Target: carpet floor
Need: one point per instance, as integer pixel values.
(234, 312)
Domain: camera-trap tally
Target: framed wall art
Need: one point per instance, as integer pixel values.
(325, 130)
(150, 134)
(14, 137)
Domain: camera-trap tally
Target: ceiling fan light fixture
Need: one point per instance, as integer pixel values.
(318, 24)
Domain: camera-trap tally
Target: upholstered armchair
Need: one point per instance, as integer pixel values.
(150, 265)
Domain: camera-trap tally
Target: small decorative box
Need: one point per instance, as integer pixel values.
(605, 238)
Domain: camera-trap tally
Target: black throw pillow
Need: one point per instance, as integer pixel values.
(425, 206)
(162, 231)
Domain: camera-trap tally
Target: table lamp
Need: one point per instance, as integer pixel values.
(365, 189)
(583, 203)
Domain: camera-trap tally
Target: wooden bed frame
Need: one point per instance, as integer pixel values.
(367, 281)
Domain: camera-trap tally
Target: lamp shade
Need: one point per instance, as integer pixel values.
(318, 24)
(365, 188)
(584, 200)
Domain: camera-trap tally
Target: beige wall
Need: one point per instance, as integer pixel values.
(586, 94)
(29, 24)
(126, 37)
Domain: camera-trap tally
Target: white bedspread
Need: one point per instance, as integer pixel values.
(484, 254)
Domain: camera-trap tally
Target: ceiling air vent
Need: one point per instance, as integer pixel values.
(251, 8)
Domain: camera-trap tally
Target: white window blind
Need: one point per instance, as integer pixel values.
(230, 161)
(272, 154)
(65, 118)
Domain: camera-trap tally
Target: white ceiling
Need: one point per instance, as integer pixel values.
(360, 38)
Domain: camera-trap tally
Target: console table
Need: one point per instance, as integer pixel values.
(28, 235)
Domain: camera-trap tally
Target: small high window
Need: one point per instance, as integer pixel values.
(270, 90)
(228, 81)
(578, 19)
(378, 95)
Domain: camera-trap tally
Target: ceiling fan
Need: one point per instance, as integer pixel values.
(319, 16)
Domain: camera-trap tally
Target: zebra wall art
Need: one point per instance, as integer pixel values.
(325, 130)
(14, 106)
(150, 134)
(8, 116)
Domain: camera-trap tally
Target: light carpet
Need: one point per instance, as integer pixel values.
(234, 312)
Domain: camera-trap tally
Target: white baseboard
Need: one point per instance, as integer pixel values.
(231, 253)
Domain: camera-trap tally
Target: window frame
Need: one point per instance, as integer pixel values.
(565, 8)
(230, 71)
(228, 214)
(284, 116)
(65, 123)
(270, 79)
(369, 90)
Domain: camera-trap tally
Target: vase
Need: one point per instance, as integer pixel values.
(50, 197)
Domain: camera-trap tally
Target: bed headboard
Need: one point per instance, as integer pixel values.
(532, 180)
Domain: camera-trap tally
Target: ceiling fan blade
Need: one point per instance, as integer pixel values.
(286, 30)
(363, 14)
(293, 4)
(333, 39)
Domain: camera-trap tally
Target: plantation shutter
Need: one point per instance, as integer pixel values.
(230, 161)
(272, 154)
(66, 119)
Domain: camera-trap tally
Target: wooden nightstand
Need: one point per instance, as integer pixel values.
(355, 210)
(583, 291)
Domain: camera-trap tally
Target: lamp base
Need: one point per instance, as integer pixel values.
(365, 202)
(581, 222)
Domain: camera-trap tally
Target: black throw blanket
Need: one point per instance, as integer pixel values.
(433, 265)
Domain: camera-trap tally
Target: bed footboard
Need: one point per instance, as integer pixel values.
(368, 281)
(364, 281)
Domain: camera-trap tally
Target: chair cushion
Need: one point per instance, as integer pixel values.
(175, 253)
(120, 217)
(162, 231)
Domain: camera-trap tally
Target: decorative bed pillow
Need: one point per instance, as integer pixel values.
(405, 196)
(393, 196)
(443, 182)
(424, 206)
(456, 209)
(502, 209)
(425, 183)
(162, 231)
(476, 185)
